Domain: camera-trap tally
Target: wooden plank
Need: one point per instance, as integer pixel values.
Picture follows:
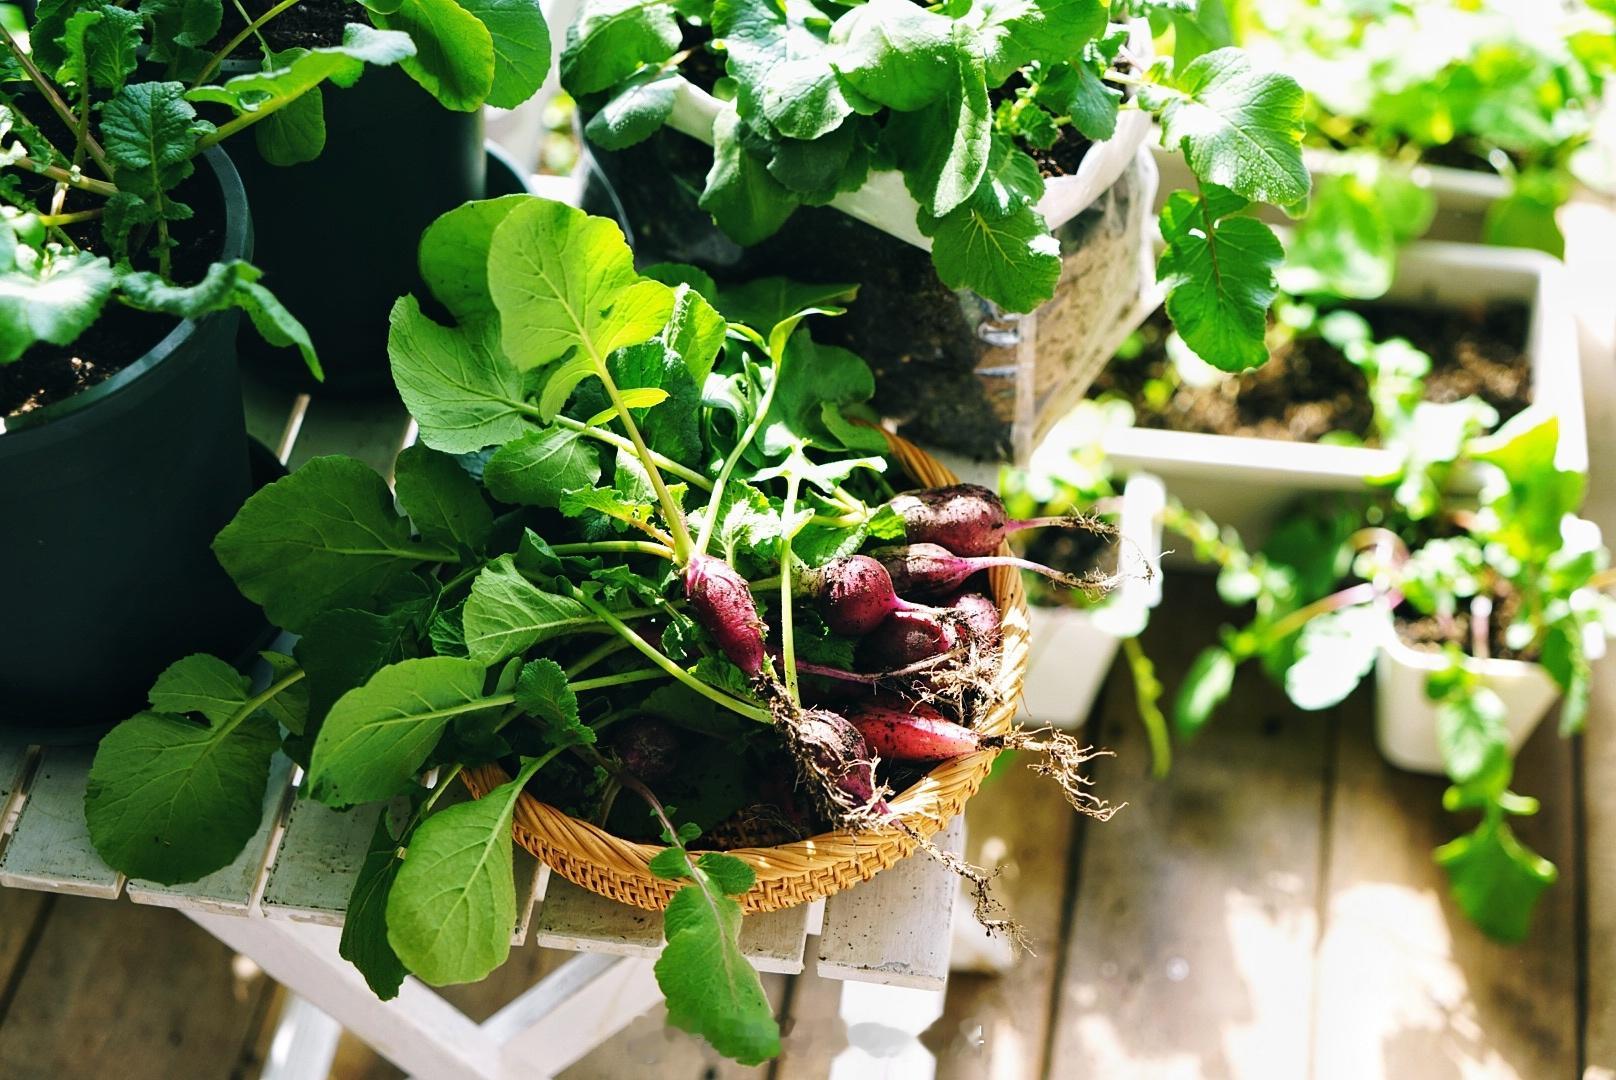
(1195, 916)
(372, 431)
(132, 992)
(1406, 985)
(15, 759)
(233, 888)
(269, 409)
(317, 861)
(50, 845)
(895, 928)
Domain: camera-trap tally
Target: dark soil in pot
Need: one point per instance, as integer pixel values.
(111, 497)
(1431, 634)
(1308, 389)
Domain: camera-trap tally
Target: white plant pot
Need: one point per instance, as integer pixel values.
(1247, 483)
(1405, 719)
(1071, 648)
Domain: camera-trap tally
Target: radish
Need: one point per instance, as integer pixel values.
(908, 637)
(835, 762)
(854, 594)
(980, 616)
(927, 571)
(967, 519)
(721, 601)
(648, 748)
(915, 732)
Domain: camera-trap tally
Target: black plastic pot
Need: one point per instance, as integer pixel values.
(109, 502)
(337, 235)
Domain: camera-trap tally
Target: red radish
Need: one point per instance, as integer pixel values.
(980, 616)
(905, 731)
(834, 760)
(908, 637)
(967, 519)
(927, 571)
(854, 594)
(721, 601)
(649, 749)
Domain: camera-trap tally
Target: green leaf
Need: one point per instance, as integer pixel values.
(101, 47)
(1219, 275)
(777, 54)
(1013, 33)
(344, 647)
(454, 51)
(997, 244)
(611, 39)
(764, 303)
(171, 800)
(1472, 729)
(226, 285)
(290, 707)
(1334, 652)
(943, 147)
(177, 25)
(56, 305)
(364, 941)
(1496, 879)
(564, 280)
(377, 737)
(1206, 685)
(1238, 128)
(1076, 91)
(452, 907)
(324, 537)
(293, 134)
(521, 40)
(812, 376)
(695, 331)
(542, 466)
(636, 110)
(747, 202)
(506, 614)
(543, 693)
(454, 256)
(650, 375)
(456, 383)
(711, 989)
(442, 501)
(895, 52)
(150, 134)
(200, 684)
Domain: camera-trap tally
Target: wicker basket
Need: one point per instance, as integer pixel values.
(799, 872)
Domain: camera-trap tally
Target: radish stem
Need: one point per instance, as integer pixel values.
(787, 649)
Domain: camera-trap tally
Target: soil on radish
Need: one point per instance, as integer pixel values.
(1308, 389)
(47, 373)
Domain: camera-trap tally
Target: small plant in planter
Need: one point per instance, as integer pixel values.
(626, 483)
(1475, 618)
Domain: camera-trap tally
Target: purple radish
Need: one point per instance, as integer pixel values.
(648, 748)
(967, 519)
(908, 637)
(833, 758)
(980, 616)
(929, 571)
(853, 594)
(913, 732)
(721, 601)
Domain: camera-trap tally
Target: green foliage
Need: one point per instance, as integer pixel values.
(1219, 275)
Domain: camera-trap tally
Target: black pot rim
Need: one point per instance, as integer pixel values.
(237, 245)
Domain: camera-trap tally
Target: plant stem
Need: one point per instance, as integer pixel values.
(1147, 692)
(611, 438)
(620, 679)
(752, 428)
(70, 219)
(787, 643)
(653, 654)
(682, 544)
(54, 98)
(234, 43)
(640, 547)
(1357, 594)
(596, 655)
(56, 172)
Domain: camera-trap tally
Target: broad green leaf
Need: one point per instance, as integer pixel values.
(1496, 879)
(611, 39)
(226, 285)
(1219, 275)
(711, 989)
(812, 376)
(997, 243)
(171, 800)
(506, 614)
(456, 383)
(521, 40)
(1013, 33)
(636, 110)
(1206, 685)
(895, 52)
(200, 684)
(1472, 729)
(55, 306)
(560, 383)
(454, 51)
(816, 171)
(452, 907)
(454, 256)
(695, 331)
(290, 707)
(101, 47)
(564, 280)
(777, 54)
(649, 375)
(764, 303)
(1334, 652)
(746, 202)
(1076, 91)
(344, 647)
(1239, 128)
(293, 134)
(943, 147)
(1524, 220)
(177, 25)
(442, 501)
(543, 693)
(377, 736)
(541, 466)
(150, 134)
(364, 941)
(324, 537)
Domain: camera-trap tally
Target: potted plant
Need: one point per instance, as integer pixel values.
(1476, 617)
(582, 525)
(1076, 633)
(409, 135)
(126, 240)
(965, 132)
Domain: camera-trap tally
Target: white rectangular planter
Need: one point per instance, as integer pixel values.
(1247, 483)
(1072, 648)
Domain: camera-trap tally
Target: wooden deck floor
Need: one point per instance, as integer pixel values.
(1271, 910)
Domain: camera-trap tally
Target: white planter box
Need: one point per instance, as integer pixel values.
(1072, 649)
(1247, 483)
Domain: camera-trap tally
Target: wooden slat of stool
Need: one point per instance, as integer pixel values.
(50, 845)
(317, 861)
(15, 755)
(231, 890)
(372, 431)
(895, 928)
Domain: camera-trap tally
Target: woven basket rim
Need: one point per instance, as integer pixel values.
(538, 824)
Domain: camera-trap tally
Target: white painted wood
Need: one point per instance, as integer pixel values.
(372, 431)
(774, 941)
(50, 845)
(15, 757)
(895, 929)
(417, 1030)
(884, 1025)
(317, 860)
(530, 880)
(304, 1045)
(574, 1010)
(233, 888)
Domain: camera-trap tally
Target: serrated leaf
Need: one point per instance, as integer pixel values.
(443, 502)
(506, 614)
(456, 383)
(1496, 880)
(232, 284)
(543, 693)
(1219, 275)
(997, 244)
(101, 47)
(150, 134)
(1013, 33)
(777, 54)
